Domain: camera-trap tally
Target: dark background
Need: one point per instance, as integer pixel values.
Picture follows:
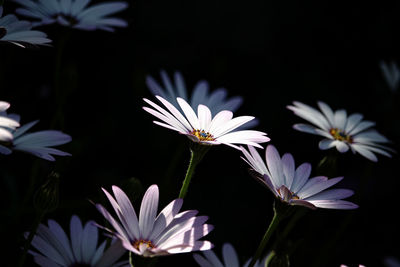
(271, 53)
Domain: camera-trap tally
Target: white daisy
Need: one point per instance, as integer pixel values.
(19, 32)
(8, 123)
(216, 101)
(150, 235)
(38, 144)
(55, 249)
(391, 74)
(293, 186)
(341, 131)
(202, 128)
(74, 13)
(229, 255)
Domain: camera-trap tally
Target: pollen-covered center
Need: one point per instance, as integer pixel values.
(203, 135)
(138, 243)
(286, 194)
(340, 135)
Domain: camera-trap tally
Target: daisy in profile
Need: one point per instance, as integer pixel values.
(74, 13)
(229, 256)
(150, 235)
(38, 144)
(203, 128)
(53, 247)
(19, 32)
(6, 123)
(391, 74)
(292, 185)
(341, 131)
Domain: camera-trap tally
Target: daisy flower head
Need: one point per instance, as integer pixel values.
(341, 131)
(74, 13)
(293, 185)
(215, 101)
(55, 248)
(38, 143)
(18, 32)
(229, 256)
(6, 124)
(150, 235)
(203, 128)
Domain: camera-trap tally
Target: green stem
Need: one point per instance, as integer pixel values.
(197, 152)
(271, 229)
(131, 259)
(30, 238)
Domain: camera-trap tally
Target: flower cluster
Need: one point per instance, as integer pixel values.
(206, 118)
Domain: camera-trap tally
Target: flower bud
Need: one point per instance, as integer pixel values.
(47, 196)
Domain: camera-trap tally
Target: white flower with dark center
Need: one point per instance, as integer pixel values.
(229, 256)
(19, 32)
(341, 131)
(292, 185)
(55, 249)
(391, 74)
(74, 13)
(204, 129)
(6, 124)
(38, 144)
(150, 235)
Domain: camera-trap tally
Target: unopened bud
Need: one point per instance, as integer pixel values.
(46, 197)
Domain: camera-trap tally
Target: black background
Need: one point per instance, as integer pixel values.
(269, 52)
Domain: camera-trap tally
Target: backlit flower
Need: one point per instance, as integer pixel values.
(202, 128)
(168, 233)
(55, 248)
(6, 124)
(229, 256)
(216, 100)
(74, 13)
(293, 186)
(19, 32)
(38, 143)
(341, 131)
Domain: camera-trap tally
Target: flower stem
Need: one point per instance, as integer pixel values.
(271, 229)
(29, 239)
(131, 259)
(197, 152)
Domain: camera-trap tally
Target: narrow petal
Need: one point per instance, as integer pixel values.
(148, 211)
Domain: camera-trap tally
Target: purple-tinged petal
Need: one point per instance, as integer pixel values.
(148, 211)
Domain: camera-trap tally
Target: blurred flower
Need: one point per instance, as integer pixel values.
(202, 128)
(37, 143)
(56, 249)
(168, 233)
(215, 101)
(7, 123)
(341, 131)
(293, 186)
(391, 73)
(74, 13)
(229, 255)
(342, 265)
(19, 32)
(391, 262)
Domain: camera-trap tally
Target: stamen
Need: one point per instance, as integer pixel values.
(340, 135)
(203, 135)
(148, 244)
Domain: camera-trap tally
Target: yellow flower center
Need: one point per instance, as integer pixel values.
(140, 242)
(340, 135)
(203, 135)
(291, 195)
